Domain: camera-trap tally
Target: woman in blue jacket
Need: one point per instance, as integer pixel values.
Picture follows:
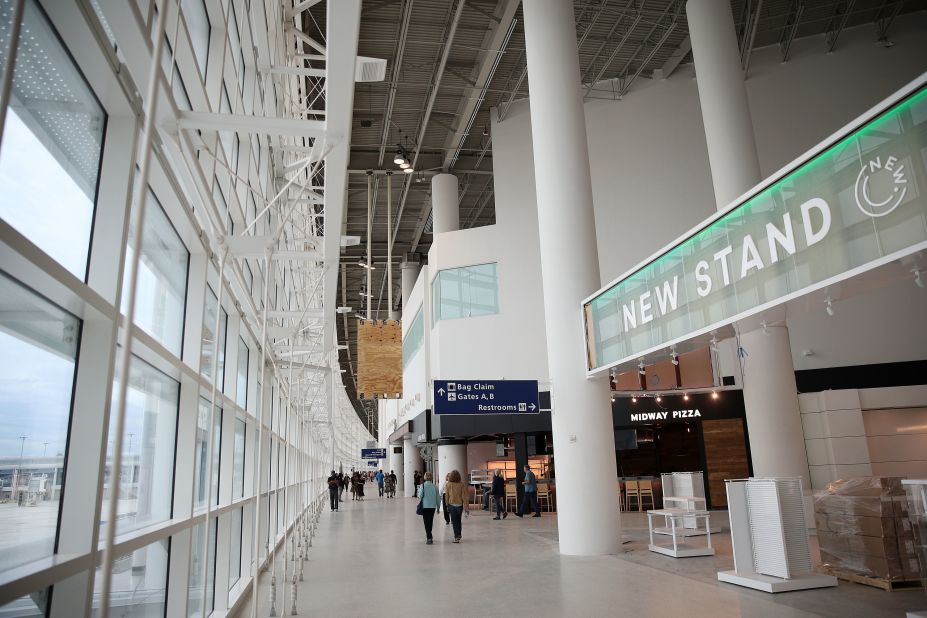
(431, 501)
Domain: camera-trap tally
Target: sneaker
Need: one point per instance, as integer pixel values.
(429, 542)
(504, 515)
(518, 515)
(457, 540)
(495, 518)
(537, 515)
(485, 509)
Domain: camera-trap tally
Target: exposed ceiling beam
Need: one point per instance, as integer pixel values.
(493, 46)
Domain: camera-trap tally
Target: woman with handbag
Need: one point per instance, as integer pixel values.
(429, 502)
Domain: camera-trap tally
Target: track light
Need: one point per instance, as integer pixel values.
(640, 367)
(917, 278)
(765, 329)
(674, 357)
(633, 399)
(714, 394)
(659, 399)
(829, 308)
(685, 397)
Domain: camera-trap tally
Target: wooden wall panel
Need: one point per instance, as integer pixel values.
(725, 456)
(379, 359)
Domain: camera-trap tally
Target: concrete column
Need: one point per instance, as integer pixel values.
(396, 464)
(777, 440)
(582, 424)
(412, 461)
(445, 207)
(410, 272)
(774, 424)
(452, 457)
(735, 166)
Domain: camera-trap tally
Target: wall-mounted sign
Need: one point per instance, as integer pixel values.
(627, 412)
(373, 453)
(858, 202)
(486, 397)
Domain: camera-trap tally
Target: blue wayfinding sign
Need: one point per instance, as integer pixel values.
(373, 453)
(486, 397)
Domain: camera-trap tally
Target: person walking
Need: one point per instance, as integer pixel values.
(392, 484)
(530, 498)
(341, 484)
(498, 494)
(431, 502)
(361, 479)
(380, 477)
(417, 480)
(333, 485)
(455, 494)
(447, 515)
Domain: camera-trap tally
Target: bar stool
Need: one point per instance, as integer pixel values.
(511, 494)
(630, 491)
(543, 495)
(644, 490)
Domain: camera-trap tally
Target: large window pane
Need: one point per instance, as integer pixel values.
(414, 339)
(162, 278)
(147, 477)
(238, 463)
(200, 471)
(139, 583)
(35, 410)
(241, 387)
(235, 547)
(209, 327)
(198, 589)
(465, 292)
(197, 20)
(50, 155)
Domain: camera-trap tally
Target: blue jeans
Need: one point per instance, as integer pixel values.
(530, 500)
(456, 512)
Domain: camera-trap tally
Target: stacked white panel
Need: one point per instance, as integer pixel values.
(766, 528)
(791, 506)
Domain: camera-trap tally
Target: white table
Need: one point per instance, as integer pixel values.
(673, 520)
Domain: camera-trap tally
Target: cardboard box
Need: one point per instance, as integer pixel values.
(871, 566)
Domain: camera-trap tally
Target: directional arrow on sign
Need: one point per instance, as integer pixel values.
(532, 406)
(441, 391)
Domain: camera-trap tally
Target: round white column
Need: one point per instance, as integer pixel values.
(584, 443)
(410, 272)
(444, 205)
(396, 464)
(777, 443)
(412, 461)
(777, 439)
(735, 166)
(452, 457)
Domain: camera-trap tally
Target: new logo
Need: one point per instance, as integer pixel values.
(880, 186)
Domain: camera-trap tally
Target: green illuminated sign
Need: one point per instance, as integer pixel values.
(855, 205)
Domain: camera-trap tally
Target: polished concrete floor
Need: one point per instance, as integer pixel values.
(370, 559)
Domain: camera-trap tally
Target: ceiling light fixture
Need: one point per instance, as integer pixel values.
(633, 399)
(917, 278)
(714, 394)
(405, 165)
(399, 159)
(659, 399)
(408, 170)
(685, 397)
(640, 367)
(829, 308)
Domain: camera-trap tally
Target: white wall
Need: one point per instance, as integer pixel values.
(651, 178)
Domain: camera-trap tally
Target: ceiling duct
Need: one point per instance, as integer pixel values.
(369, 69)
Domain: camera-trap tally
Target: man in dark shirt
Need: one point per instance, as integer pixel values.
(334, 485)
(530, 498)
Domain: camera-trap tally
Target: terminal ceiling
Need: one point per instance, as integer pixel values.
(449, 62)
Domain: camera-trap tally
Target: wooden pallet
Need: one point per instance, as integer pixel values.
(875, 582)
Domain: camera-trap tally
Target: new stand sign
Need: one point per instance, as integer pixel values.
(486, 397)
(856, 203)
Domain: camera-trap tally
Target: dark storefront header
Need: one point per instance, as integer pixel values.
(677, 409)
